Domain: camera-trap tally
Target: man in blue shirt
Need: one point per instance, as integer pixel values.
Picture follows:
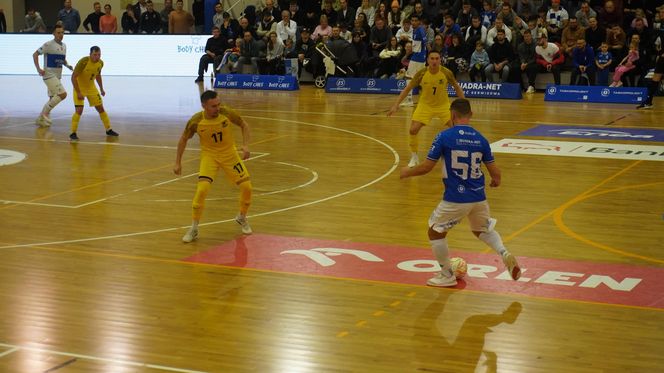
(69, 17)
(583, 58)
(463, 150)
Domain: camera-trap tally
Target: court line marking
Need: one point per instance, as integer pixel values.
(10, 351)
(103, 359)
(119, 144)
(33, 123)
(394, 166)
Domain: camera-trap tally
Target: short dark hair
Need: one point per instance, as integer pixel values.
(434, 51)
(94, 48)
(208, 95)
(461, 106)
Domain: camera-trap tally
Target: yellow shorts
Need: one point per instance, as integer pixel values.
(94, 98)
(424, 114)
(233, 167)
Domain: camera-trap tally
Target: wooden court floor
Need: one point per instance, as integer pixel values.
(93, 276)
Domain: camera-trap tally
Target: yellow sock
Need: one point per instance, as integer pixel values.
(202, 189)
(413, 143)
(245, 197)
(105, 120)
(74, 121)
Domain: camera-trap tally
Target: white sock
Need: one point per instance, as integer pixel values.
(52, 103)
(494, 241)
(441, 252)
(194, 225)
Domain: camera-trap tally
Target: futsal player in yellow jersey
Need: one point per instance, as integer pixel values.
(434, 100)
(86, 73)
(218, 151)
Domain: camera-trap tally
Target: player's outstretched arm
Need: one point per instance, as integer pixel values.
(421, 169)
(182, 144)
(494, 172)
(401, 97)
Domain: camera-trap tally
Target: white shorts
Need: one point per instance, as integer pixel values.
(448, 214)
(54, 86)
(413, 68)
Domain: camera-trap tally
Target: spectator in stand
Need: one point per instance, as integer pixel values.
(168, 8)
(627, 64)
(448, 29)
(476, 32)
(479, 61)
(139, 8)
(520, 27)
(214, 52)
(379, 37)
(70, 18)
(405, 59)
(229, 29)
(584, 14)
(527, 61)
(508, 14)
(91, 23)
(549, 58)
(465, 16)
(362, 27)
(526, 8)
(269, 6)
(557, 19)
(198, 12)
(499, 26)
(150, 20)
(390, 59)
(405, 33)
(297, 15)
(362, 55)
(455, 54)
(305, 48)
(594, 35)
(381, 12)
(583, 59)
(500, 55)
(3, 22)
(329, 12)
(438, 45)
(323, 29)
(108, 23)
(246, 27)
(249, 53)
(129, 21)
(311, 18)
(409, 8)
(395, 18)
(609, 15)
(346, 14)
(616, 39)
(344, 33)
(368, 10)
(603, 61)
(488, 15)
(644, 33)
(571, 34)
(266, 25)
(179, 21)
(286, 28)
(34, 22)
(273, 62)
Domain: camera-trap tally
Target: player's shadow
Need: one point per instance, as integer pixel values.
(433, 351)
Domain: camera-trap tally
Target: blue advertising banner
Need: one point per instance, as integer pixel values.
(266, 82)
(613, 95)
(510, 91)
(584, 132)
(364, 85)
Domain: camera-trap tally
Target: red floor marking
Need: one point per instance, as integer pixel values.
(586, 281)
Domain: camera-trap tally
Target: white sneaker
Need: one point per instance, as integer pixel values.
(42, 122)
(531, 89)
(441, 280)
(512, 265)
(414, 161)
(191, 235)
(242, 220)
(619, 84)
(407, 102)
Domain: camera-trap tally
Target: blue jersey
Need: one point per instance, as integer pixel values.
(604, 57)
(419, 45)
(463, 150)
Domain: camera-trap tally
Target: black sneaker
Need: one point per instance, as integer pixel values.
(644, 106)
(198, 80)
(73, 137)
(110, 132)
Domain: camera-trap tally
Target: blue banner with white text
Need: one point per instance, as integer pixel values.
(510, 91)
(613, 95)
(265, 82)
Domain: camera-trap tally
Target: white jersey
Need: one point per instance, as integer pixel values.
(547, 53)
(54, 58)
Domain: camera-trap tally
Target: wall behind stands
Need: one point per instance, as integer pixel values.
(144, 55)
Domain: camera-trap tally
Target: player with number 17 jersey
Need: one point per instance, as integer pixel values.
(463, 150)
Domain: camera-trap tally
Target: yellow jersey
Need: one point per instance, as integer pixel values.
(87, 72)
(216, 135)
(433, 87)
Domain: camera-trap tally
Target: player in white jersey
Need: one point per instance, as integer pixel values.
(55, 56)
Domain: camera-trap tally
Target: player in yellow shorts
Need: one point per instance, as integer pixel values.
(434, 100)
(218, 152)
(86, 73)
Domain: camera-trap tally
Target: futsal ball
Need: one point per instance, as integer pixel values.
(459, 267)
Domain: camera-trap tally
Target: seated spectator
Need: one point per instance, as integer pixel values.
(129, 21)
(438, 44)
(362, 55)
(520, 27)
(549, 57)
(286, 28)
(266, 25)
(379, 37)
(448, 29)
(616, 39)
(571, 34)
(272, 64)
(323, 29)
(273, 10)
(34, 22)
(640, 28)
(499, 26)
(304, 48)
(298, 16)
(609, 15)
(245, 25)
(405, 33)
(594, 34)
(395, 18)
(465, 15)
(476, 32)
(390, 59)
(584, 14)
(346, 14)
(381, 12)
(344, 33)
(527, 61)
(556, 18)
(358, 29)
(500, 55)
(627, 64)
(150, 20)
(214, 52)
(249, 53)
(405, 59)
(603, 61)
(583, 59)
(479, 60)
(368, 10)
(455, 54)
(329, 12)
(179, 21)
(525, 8)
(488, 15)
(508, 14)
(108, 23)
(230, 29)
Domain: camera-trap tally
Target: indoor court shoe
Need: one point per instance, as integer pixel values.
(531, 89)
(110, 132)
(512, 265)
(414, 161)
(191, 235)
(407, 102)
(441, 280)
(644, 106)
(73, 137)
(198, 80)
(242, 220)
(43, 121)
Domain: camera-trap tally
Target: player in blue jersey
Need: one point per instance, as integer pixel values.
(419, 57)
(55, 56)
(463, 150)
